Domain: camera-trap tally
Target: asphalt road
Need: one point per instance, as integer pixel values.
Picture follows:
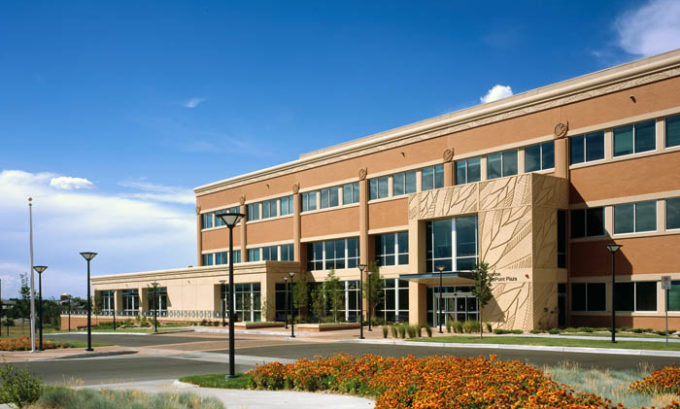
(127, 340)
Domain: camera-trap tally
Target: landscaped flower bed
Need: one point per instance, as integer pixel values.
(436, 382)
(24, 344)
(665, 380)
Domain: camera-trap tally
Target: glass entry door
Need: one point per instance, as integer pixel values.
(456, 307)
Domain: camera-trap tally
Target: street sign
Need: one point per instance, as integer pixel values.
(666, 282)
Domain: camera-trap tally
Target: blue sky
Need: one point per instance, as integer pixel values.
(110, 112)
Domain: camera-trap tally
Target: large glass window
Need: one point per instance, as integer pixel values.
(107, 301)
(270, 253)
(130, 302)
(432, 177)
(237, 256)
(286, 205)
(468, 170)
(636, 296)
(391, 249)
(587, 222)
(404, 183)
(588, 297)
(452, 243)
(673, 213)
(287, 252)
(636, 138)
(247, 302)
(158, 299)
(206, 220)
(270, 208)
(539, 157)
(635, 217)
(673, 131)
(308, 201)
(350, 193)
(207, 259)
(501, 164)
(221, 257)
(377, 188)
(254, 254)
(674, 296)
(394, 305)
(586, 148)
(333, 254)
(218, 220)
(253, 210)
(329, 197)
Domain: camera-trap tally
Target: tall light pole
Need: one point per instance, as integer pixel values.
(68, 297)
(613, 248)
(40, 270)
(368, 284)
(362, 267)
(30, 235)
(155, 304)
(291, 274)
(89, 255)
(223, 300)
(1, 310)
(439, 316)
(230, 220)
(285, 319)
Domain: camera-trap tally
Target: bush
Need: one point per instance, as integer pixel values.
(553, 331)
(516, 331)
(412, 331)
(428, 330)
(571, 329)
(585, 329)
(18, 387)
(402, 330)
(471, 327)
(499, 331)
(24, 344)
(489, 329)
(457, 327)
(395, 331)
(449, 325)
(535, 331)
(385, 331)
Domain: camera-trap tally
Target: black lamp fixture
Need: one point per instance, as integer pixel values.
(230, 220)
(40, 270)
(362, 267)
(439, 316)
(613, 248)
(291, 274)
(89, 255)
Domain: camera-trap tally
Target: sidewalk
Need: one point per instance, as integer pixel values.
(59, 353)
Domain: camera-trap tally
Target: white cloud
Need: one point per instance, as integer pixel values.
(497, 92)
(130, 234)
(70, 183)
(651, 29)
(160, 193)
(193, 102)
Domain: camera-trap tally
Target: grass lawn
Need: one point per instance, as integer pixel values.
(75, 344)
(219, 381)
(555, 342)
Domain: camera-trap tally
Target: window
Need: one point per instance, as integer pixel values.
(468, 170)
(586, 148)
(539, 157)
(253, 254)
(587, 222)
(130, 302)
(377, 188)
(207, 259)
(673, 213)
(270, 253)
(247, 301)
(404, 183)
(350, 193)
(432, 177)
(107, 301)
(452, 243)
(237, 256)
(329, 197)
(391, 249)
(501, 164)
(221, 257)
(394, 305)
(218, 220)
(636, 296)
(673, 131)
(674, 296)
(588, 297)
(333, 254)
(158, 298)
(635, 217)
(561, 239)
(270, 208)
(287, 252)
(253, 210)
(308, 201)
(206, 220)
(286, 205)
(636, 138)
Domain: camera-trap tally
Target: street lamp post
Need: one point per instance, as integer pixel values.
(441, 271)
(291, 274)
(368, 284)
(1, 310)
(223, 300)
(67, 296)
(230, 220)
(155, 305)
(89, 255)
(613, 248)
(285, 318)
(40, 270)
(362, 267)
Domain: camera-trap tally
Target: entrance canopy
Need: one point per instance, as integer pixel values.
(450, 278)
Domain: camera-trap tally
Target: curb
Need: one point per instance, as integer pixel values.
(122, 332)
(582, 350)
(97, 354)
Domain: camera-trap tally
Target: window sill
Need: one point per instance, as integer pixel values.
(328, 209)
(387, 199)
(269, 219)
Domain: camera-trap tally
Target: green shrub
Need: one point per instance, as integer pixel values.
(402, 330)
(449, 325)
(516, 331)
(489, 329)
(18, 387)
(535, 331)
(499, 331)
(585, 329)
(395, 331)
(420, 330)
(471, 326)
(385, 331)
(412, 331)
(457, 327)
(553, 331)
(428, 330)
(571, 329)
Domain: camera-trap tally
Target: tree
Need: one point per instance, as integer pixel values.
(482, 289)
(301, 294)
(376, 285)
(319, 301)
(335, 293)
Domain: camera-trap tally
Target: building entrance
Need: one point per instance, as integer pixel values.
(458, 304)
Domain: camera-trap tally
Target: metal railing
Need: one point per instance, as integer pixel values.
(174, 314)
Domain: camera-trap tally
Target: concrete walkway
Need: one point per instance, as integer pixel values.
(251, 399)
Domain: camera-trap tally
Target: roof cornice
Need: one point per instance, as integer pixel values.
(599, 83)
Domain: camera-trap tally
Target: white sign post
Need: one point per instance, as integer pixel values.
(666, 285)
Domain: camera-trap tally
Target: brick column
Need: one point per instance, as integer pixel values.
(199, 237)
(244, 229)
(449, 174)
(297, 206)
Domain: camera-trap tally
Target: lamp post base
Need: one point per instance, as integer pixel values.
(231, 376)
(89, 349)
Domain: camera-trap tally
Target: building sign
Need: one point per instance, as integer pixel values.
(666, 282)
